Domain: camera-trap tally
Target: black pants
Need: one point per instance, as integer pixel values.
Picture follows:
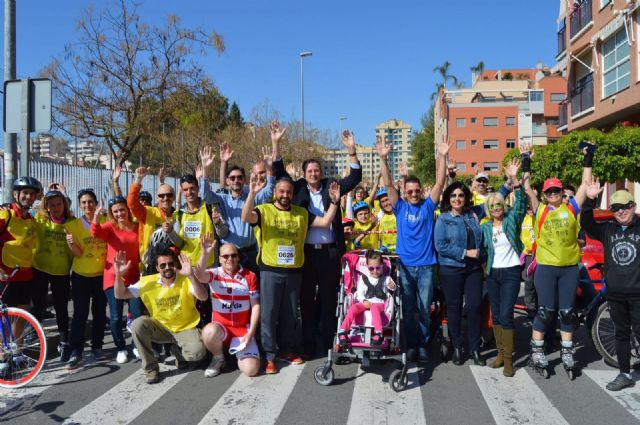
(625, 314)
(318, 296)
(460, 283)
(60, 288)
(87, 292)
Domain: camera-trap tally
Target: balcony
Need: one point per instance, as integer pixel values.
(580, 17)
(582, 95)
(562, 39)
(562, 118)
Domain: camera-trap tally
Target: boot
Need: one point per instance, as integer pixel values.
(507, 347)
(499, 361)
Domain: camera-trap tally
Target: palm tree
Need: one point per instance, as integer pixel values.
(443, 70)
(478, 68)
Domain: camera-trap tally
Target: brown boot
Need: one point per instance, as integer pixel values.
(507, 346)
(499, 361)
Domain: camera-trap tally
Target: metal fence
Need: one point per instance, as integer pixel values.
(76, 178)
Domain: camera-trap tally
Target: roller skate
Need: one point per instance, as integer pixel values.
(538, 360)
(569, 364)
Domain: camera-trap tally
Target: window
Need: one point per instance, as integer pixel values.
(508, 98)
(490, 122)
(461, 166)
(460, 122)
(511, 143)
(511, 121)
(487, 99)
(490, 144)
(603, 3)
(553, 121)
(474, 164)
(460, 145)
(490, 166)
(616, 65)
(557, 97)
(536, 96)
(473, 120)
(474, 142)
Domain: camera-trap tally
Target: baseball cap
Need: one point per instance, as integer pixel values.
(622, 197)
(551, 183)
(482, 176)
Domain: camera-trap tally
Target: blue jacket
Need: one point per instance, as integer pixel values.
(451, 238)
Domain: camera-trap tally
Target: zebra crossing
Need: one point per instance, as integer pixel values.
(104, 393)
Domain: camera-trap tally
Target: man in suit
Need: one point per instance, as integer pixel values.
(323, 247)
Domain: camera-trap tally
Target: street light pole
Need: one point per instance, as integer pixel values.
(10, 139)
(341, 119)
(302, 56)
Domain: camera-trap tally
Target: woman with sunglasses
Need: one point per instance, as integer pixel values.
(557, 255)
(89, 255)
(52, 262)
(501, 238)
(120, 233)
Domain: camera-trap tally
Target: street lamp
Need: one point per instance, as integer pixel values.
(302, 56)
(342, 119)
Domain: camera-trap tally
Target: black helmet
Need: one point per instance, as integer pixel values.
(145, 196)
(27, 183)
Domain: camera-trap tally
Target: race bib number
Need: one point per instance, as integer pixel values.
(286, 255)
(192, 229)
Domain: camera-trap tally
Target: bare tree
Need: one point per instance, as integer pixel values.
(118, 65)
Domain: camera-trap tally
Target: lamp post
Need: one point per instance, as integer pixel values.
(302, 56)
(341, 119)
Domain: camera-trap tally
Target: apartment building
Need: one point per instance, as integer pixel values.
(46, 146)
(598, 52)
(501, 109)
(396, 132)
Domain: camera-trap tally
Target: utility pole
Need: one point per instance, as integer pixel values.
(10, 139)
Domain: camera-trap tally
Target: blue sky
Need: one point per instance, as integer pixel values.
(372, 60)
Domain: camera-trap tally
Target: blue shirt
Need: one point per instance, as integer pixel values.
(240, 233)
(415, 232)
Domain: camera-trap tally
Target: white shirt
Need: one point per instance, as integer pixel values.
(361, 291)
(504, 255)
(318, 235)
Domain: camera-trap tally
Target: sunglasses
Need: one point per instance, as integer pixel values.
(413, 192)
(227, 256)
(236, 177)
(553, 191)
(165, 195)
(374, 268)
(170, 264)
(117, 200)
(456, 195)
(617, 207)
(496, 206)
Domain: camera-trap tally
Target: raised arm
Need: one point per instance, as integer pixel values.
(355, 171)
(137, 209)
(525, 157)
(587, 173)
(225, 156)
(98, 230)
(327, 219)
(121, 265)
(383, 151)
(587, 222)
(208, 245)
(441, 167)
(197, 288)
(374, 190)
(255, 185)
(115, 181)
(276, 132)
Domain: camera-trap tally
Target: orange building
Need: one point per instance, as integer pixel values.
(501, 109)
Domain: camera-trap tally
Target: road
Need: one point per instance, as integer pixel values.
(103, 392)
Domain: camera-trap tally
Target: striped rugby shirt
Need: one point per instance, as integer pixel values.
(231, 296)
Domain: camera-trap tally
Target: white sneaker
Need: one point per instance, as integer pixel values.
(215, 367)
(136, 354)
(122, 357)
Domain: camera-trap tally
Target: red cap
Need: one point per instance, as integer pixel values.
(550, 183)
(346, 221)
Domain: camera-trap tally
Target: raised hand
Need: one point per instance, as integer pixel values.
(206, 158)
(115, 176)
(524, 148)
(225, 152)
(199, 172)
(215, 216)
(167, 226)
(276, 131)
(62, 188)
(69, 237)
(208, 244)
(141, 172)
(382, 148)
(291, 170)
(185, 265)
(120, 263)
(348, 141)
(593, 188)
(267, 155)
(162, 174)
(256, 183)
(402, 169)
(99, 209)
(444, 146)
(511, 169)
(334, 191)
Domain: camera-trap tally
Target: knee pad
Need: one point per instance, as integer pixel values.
(546, 315)
(568, 317)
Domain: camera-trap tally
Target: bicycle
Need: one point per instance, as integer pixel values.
(23, 349)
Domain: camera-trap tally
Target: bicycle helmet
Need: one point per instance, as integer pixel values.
(145, 196)
(382, 192)
(27, 183)
(360, 205)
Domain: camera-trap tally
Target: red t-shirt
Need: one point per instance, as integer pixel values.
(231, 296)
(118, 240)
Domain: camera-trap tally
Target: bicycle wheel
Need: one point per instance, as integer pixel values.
(22, 357)
(603, 335)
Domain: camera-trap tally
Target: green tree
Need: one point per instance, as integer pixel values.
(235, 118)
(423, 150)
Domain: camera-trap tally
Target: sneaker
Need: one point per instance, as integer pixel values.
(215, 367)
(74, 361)
(377, 339)
(621, 382)
(152, 376)
(136, 354)
(65, 351)
(343, 339)
(291, 358)
(97, 353)
(122, 357)
(271, 368)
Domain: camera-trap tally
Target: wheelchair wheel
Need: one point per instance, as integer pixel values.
(398, 380)
(323, 380)
(603, 335)
(22, 356)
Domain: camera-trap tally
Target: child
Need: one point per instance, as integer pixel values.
(363, 223)
(371, 294)
(347, 226)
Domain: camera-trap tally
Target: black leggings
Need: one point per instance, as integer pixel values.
(625, 315)
(556, 289)
(61, 289)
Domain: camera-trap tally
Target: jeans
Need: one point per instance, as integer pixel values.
(625, 315)
(417, 291)
(87, 292)
(503, 285)
(115, 316)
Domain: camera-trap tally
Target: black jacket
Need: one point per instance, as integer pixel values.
(621, 252)
(302, 197)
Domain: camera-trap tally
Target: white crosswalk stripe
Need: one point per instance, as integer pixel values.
(628, 398)
(515, 400)
(374, 403)
(260, 399)
(127, 400)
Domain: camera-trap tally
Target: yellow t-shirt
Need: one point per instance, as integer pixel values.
(557, 243)
(192, 227)
(173, 306)
(370, 241)
(281, 236)
(94, 251)
(478, 199)
(19, 249)
(527, 235)
(52, 254)
(388, 224)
